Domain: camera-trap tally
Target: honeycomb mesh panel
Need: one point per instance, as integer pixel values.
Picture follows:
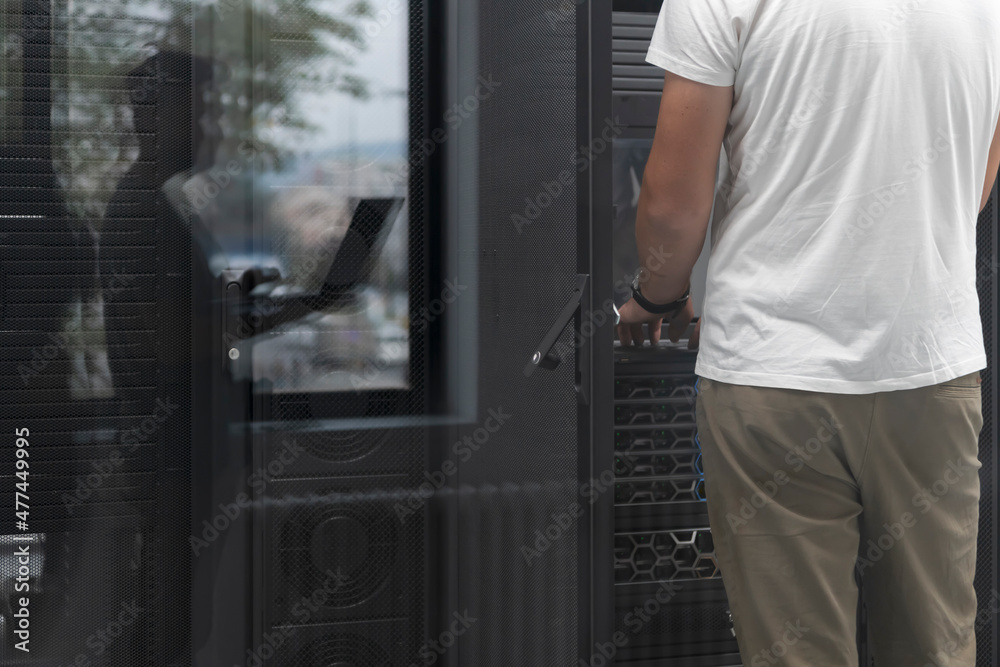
(673, 555)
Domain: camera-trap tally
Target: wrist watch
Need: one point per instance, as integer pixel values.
(670, 309)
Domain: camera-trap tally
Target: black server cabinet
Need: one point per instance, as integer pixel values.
(661, 539)
(96, 488)
(235, 517)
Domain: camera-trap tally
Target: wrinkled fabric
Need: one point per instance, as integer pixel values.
(844, 238)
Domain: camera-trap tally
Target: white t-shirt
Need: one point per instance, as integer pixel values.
(844, 239)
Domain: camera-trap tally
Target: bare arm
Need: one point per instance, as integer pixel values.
(991, 170)
(675, 202)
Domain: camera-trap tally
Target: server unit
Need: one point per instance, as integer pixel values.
(662, 537)
(661, 532)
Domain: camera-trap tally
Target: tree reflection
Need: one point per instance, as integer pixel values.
(97, 42)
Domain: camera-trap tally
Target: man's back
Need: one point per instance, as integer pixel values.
(844, 244)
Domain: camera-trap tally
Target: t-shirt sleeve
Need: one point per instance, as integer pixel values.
(698, 40)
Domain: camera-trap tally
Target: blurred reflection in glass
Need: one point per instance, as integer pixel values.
(629, 157)
(161, 104)
(338, 115)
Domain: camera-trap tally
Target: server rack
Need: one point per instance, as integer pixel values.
(104, 498)
(661, 537)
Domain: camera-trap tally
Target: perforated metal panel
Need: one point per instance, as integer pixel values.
(986, 554)
(670, 555)
(523, 481)
(341, 520)
(106, 419)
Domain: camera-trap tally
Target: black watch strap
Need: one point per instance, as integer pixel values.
(657, 309)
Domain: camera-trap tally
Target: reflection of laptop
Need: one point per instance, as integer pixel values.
(351, 266)
(360, 247)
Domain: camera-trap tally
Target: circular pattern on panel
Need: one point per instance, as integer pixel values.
(344, 651)
(344, 446)
(342, 542)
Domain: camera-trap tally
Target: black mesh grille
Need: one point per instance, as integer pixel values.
(524, 477)
(692, 626)
(986, 554)
(708, 620)
(345, 538)
(369, 645)
(109, 436)
(342, 572)
(344, 650)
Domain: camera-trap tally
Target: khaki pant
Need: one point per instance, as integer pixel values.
(805, 488)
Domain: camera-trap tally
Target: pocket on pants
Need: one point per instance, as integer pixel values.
(967, 386)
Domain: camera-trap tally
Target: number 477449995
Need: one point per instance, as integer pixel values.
(21, 464)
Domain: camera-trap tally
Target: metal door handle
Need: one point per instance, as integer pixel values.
(544, 357)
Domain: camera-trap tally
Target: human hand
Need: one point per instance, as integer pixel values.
(633, 316)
